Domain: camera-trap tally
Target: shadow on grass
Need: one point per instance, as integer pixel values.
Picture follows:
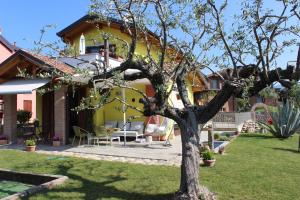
(256, 135)
(286, 149)
(78, 187)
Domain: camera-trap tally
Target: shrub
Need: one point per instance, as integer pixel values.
(30, 142)
(227, 135)
(285, 122)
(224, 138)
(23, 116)
(208, 155)
(203, 148)
(217, 136)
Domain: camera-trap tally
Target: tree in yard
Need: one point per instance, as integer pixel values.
(192, 35)
(196, 29)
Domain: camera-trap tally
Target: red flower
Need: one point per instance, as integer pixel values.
(270, 121)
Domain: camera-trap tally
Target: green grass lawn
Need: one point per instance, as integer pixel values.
(254, 167)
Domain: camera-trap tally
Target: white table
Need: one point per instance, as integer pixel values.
(135, 134)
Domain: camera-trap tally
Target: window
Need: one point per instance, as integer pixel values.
(27, 105)
(259, 99)
(214, 84)
(1, 105)
(100, 48)
(223, 109)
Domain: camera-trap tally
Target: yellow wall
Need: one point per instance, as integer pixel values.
(39, 114)
(95, 34)
(113, 111)
(190, 91)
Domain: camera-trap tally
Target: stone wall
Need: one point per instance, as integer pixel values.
(60, 120)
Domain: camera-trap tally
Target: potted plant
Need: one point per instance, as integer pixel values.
(3, 140)
(56, 141)
(30, 145)
(221, 150)
(208, 158)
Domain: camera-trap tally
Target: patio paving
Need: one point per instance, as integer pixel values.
(154, 154)
(133, 152)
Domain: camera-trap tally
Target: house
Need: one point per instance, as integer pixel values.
(94, 43)
(6, 50)
(47, 107)
(54, 109)
(215, 83)
(24, 101)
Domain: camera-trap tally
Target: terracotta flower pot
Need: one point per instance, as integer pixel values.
(30, 148)
(56, 143)
(162, 138)
(2, 142)
(209, 163)
(221, 150)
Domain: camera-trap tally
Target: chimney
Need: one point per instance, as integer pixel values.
(82, 45)
(106, 51)
(0, 31)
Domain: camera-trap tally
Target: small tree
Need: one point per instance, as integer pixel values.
(23, 116)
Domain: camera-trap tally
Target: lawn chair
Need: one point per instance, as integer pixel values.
(101, 133)
(158, 130)
(80, 133)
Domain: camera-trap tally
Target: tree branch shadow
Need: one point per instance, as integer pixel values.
(91, 190)
(286, 149)
(261, 136)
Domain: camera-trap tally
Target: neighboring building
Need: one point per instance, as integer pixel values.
(53, 109)
(6, 50)
(47, 107)
(24, 101)
(215, 84)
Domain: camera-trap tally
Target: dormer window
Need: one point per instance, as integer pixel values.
(214, 84)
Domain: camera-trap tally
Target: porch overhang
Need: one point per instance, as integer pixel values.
(22, 86)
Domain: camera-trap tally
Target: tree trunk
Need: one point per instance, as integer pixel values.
(189, 184)
(299, 143)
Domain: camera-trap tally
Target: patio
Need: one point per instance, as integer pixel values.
(133, 152)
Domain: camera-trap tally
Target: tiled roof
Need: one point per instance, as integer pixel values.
(52, 62)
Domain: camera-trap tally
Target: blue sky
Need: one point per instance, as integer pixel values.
(21, 20)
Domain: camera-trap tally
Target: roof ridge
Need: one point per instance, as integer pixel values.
(10, 46)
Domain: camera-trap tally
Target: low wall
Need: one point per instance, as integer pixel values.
(241, 118)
